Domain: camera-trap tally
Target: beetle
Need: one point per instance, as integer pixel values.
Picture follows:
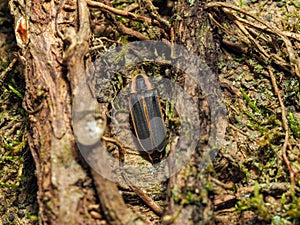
(147, 118)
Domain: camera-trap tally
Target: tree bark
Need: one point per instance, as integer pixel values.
(48, 101)
(193, 29)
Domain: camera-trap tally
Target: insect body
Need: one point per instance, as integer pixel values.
(147, 119)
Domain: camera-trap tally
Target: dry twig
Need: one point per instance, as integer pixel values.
(119, 12)
(5, 72)
(145, 197)
(129, 31)
(285, 126)
(121, 27)
(154, 13)
(250, 36)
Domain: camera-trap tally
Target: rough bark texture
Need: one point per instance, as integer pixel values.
(193, 30)
(48, 101)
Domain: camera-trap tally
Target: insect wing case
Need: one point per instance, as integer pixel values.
(139, 120)
(157, 126)
(146, 115)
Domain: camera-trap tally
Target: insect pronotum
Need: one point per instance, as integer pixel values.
(147, 118)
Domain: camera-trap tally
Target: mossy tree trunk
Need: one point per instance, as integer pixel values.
(60, 176)
(193, 29)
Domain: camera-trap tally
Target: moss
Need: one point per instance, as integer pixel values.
(257, 203)
(294, 124)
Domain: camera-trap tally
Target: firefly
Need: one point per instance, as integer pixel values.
(147, 117)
